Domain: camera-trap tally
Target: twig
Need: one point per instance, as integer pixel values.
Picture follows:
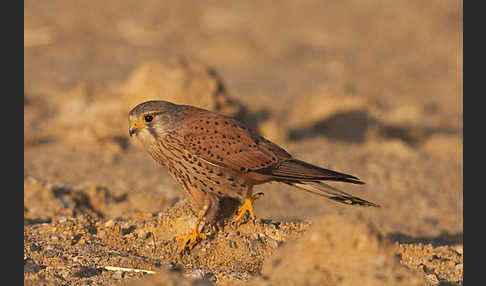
(114, 268)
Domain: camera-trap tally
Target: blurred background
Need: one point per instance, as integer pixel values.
(370, 88)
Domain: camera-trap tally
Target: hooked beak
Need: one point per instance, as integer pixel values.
(134, 128)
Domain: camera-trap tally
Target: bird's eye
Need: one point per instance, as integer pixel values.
(148, 118)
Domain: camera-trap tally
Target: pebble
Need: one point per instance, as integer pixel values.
(195, 274)
(35, 248)
(210, 277)
(92, 229)
(85, 272)
(109, 223)
(64, 273)
(459, 248)
(31, 267)
(50, 253)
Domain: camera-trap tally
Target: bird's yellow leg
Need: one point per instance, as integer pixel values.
(191, 239)
(247, 205)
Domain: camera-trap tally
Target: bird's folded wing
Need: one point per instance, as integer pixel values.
(224, 141)
(293, 169)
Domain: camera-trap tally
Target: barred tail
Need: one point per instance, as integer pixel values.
(325, 190)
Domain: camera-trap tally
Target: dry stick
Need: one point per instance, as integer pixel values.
(155, 245)
(114, 268)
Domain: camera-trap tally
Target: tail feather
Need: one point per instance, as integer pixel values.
(325, 190)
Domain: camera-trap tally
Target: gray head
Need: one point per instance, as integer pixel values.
(151, 119)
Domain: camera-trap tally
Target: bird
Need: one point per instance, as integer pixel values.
(212, 156)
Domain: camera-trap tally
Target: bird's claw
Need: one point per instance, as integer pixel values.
(247, 207)
(190, 239)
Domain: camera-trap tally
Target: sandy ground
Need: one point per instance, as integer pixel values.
(370, 88)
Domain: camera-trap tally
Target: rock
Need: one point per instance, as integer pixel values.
(338, 249)
(91, 112)
(180, 81)
(30, 266)
(85, 272)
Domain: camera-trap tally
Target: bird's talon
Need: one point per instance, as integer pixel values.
(190, 240)
(247, 207)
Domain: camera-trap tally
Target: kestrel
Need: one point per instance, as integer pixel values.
(212, 156)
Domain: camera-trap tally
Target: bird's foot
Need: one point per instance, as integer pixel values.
(190, 239)
(247, 207)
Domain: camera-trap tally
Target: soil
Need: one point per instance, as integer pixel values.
(368, 88)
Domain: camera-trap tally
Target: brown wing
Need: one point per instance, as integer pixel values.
(224, 141)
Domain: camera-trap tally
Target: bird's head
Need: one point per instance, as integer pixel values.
(151, 119)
